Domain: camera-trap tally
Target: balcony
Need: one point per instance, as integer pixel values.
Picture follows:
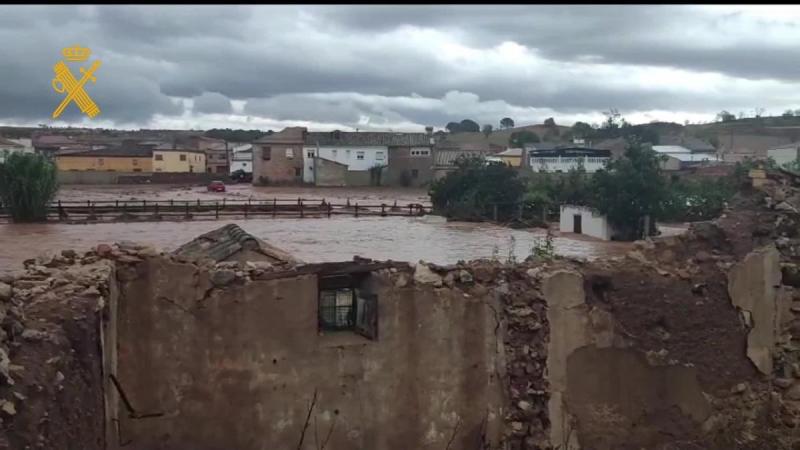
(564, 164)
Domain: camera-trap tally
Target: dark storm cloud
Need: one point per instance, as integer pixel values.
(357, 64)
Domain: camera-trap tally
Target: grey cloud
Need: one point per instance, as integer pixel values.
(211, 103)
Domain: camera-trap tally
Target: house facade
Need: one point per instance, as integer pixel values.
(785, 153)
(679, 157)
(340, 158)
(446, 154)
(7, 147)
(118, 159)
(585, 220)
(564, 159)
(277, 157)
(176, 160)
(242, 158)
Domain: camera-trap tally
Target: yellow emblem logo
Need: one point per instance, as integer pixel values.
(65, 82)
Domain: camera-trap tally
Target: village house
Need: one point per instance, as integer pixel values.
(585, 220)
(114, 159)
(242, 158)
(446, 154)
(511, 157)
(560, 159)
(679, 157)
(277, 158)
(784, 154)
(166, 158)
(340, 158)
(7, 147)
(216, 151)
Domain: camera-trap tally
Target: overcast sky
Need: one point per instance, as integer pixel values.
(400, 67)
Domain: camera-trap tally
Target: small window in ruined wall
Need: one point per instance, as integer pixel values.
(344, 306)
(289, 153)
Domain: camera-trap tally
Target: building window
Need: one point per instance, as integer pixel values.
(379, 156)
(344, 306)
(266, 153)
(359, 155)
(298, 172)
(414, 173)
(99, 161)
(310, 154)
(159, 157)
(289, 153)
(420, 152)
(135, 162)
(137, 170)
(183, 157)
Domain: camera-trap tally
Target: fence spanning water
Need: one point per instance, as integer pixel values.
(154, 210)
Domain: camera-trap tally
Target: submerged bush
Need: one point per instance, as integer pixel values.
(28, 183)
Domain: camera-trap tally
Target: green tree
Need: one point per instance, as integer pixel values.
(520, 138)
(453, 127)
(487, 130)
(470, 125)
(506, 122)
(470, 191)
(725, 116)
(582, 130)
(28, 183)
(630, 189)
(788, 113)
(549, 122)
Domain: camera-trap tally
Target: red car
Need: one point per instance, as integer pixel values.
(216, 186)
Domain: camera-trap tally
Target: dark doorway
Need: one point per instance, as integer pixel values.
(576, 223)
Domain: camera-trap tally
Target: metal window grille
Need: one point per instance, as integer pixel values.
(337, 309)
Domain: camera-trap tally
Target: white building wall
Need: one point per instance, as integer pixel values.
(783, 155)
(355, 158)
(564, 164)
(592, 223)
(242, 160)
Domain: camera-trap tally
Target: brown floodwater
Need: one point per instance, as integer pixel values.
(429, 238)
(243, 192)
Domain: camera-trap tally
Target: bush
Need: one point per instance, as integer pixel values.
(471, 191)
(28, 183)
(689, 201)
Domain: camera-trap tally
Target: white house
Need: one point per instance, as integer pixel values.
(562, 159)
(7, 146)
(785, 153)
(357, 151)
(679, 157)
(242, 158)
(585, 220)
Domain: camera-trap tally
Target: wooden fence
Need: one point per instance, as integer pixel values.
(147, 210)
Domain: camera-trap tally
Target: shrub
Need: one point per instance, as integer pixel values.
(28, 183)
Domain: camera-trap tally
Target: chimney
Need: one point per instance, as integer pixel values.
(429, 130)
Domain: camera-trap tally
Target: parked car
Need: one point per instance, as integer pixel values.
(240, 176)
(216, 186)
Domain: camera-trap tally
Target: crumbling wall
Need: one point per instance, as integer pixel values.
(229, 356)
(51, 380)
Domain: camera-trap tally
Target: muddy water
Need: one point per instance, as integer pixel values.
(243, 192)
(429, 238)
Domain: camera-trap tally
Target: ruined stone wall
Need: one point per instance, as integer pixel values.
(51, 380)
(223, 357)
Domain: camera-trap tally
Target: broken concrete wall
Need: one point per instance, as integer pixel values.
(218, 359)
(51, 380)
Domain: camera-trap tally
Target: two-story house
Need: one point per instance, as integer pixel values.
(544, 157)
(340, 158)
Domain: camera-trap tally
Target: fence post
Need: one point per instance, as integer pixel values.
(383, 209)
(274, 207)
(116, 204)
(356, 209)
(410, 209)
(246, 208)
(216, 209)
(186, 208)
(300, 202)
(329, 210)
(144, 206)
(60, 211)
(156, 214)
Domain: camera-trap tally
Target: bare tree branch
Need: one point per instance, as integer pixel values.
(308, 419)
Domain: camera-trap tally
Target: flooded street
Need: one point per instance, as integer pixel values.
(430, 238)
(242, 192)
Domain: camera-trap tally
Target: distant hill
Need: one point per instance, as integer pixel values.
(502, 137)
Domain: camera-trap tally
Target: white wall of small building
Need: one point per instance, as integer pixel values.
(783, 155)
(242, 160)
(592, 223)
(348, 156)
